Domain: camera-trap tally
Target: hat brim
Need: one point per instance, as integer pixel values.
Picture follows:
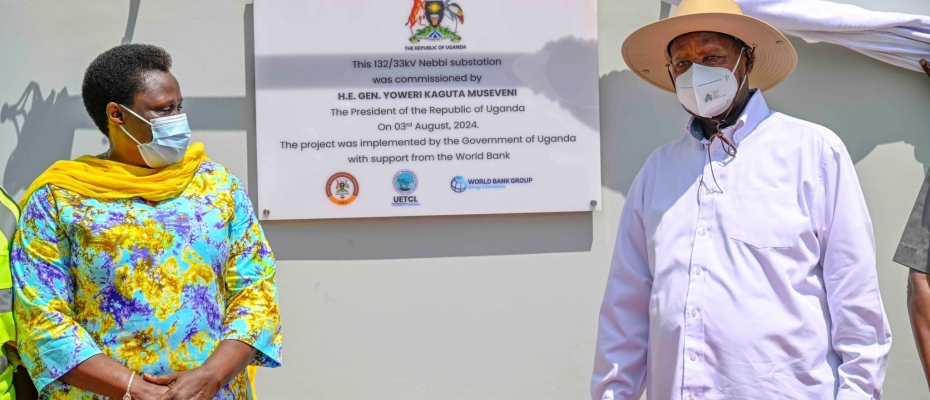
(646, 50)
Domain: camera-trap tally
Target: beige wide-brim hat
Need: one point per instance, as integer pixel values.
(646, 50)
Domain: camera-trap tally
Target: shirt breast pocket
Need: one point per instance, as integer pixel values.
(766, 217)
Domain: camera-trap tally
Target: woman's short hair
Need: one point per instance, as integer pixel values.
(117, 76)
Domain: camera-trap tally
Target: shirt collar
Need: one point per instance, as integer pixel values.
(755, 112)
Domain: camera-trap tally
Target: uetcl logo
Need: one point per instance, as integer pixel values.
(405, 184)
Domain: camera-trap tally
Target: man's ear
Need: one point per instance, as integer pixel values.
(670, 77)
(750, 59)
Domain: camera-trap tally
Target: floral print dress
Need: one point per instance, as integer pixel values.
(154, 285)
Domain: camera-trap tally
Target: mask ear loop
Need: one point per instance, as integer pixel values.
(728, 146)
(124, 128)
(707, 146)
(725, 143)
(669, 72)
(741, 84)
(134, 113)
(130, 135)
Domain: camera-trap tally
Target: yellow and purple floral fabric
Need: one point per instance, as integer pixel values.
(154, 285)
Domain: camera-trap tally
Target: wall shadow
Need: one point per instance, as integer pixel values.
(636, 118)
(131, 21)
(45, 128)
(862, 101)
(564, 71)
(430, 237)
(664, 10)
(248, 114)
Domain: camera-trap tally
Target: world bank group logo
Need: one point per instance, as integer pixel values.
(430, 15)
(459, 184)
(405, 184)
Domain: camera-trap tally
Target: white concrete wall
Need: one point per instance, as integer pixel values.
(496, 307)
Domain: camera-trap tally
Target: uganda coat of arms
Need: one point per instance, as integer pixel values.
(430, 14)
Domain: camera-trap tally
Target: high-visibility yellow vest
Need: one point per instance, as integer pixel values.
(9, 215)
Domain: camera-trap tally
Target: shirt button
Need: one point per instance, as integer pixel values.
(697, 271)
(709, 191)
(703, 232)
(690, 397)
(693, 357)
(694, 313)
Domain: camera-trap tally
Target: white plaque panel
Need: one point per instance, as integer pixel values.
(379, 108)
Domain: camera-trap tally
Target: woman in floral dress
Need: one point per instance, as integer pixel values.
(142, 273)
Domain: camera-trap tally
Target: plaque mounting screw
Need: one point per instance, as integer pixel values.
(593, 203)
(266, 212)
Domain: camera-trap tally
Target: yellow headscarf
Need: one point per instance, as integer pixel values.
(103, 179)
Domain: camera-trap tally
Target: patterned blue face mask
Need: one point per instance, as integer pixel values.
(170, 137)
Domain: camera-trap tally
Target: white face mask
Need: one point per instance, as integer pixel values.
(170, 137)
(708, 91)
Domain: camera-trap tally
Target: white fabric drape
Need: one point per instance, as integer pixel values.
(895, 38)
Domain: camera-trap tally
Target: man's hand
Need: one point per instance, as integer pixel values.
(198, 383)
(926, 66)
(918, 306)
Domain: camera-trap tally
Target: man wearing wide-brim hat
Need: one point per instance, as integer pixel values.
(744, 265)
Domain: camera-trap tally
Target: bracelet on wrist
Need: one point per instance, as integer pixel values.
(129, 386)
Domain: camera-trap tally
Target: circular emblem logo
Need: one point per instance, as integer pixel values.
(459, 184)
(405, 182)
(342, 188)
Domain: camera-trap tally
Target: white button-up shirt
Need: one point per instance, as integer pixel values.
(762, 288)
